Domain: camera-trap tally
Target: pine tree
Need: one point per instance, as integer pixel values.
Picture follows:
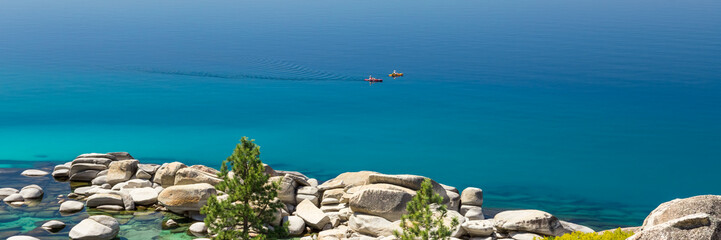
(421, 222)
(251, 201)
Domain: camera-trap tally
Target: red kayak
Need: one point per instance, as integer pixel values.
(372, 79)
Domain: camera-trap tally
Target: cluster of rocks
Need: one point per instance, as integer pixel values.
(20, 197)
(354, 205)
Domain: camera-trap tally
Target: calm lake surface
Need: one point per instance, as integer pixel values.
(595, 111)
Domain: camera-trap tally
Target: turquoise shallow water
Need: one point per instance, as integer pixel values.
(591, 111)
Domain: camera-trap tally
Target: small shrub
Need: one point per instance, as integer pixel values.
(617, 234)
(420, 223)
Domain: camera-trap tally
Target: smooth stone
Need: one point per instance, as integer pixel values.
(472, 196)
(313, 182)
(478, 228)
(171, 224)
(32, 192)
(84, 176)
(53, 226)
(4, 192)
(104, 199)
(698, 226)
(144, 196)
(312, 215)
(165, 175)
(533, 221)
(198, 229)
(121, 171)
(34, 173)
(372, 225)
(347, 179)
(79, 167)
(474, 213)
(296, 225)
(286, 190)
(71, 206)
(15, 197)
(98, 227)
(384, 200)
(61, 173)
(99, 180)
(183, 198)
(678, 208)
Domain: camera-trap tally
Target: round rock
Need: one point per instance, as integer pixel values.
(71, 206)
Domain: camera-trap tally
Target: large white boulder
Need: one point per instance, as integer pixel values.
(144, 196)
(71, 206)
(32, 192)
(697, 218)
(198, 229)
(165, 176)
(478, 228)
(312, 215)
(53, 226)
(4, 192)
(104, 199)
(98, 227)
(121, 171)
(296, 225)
(384, 200)
(184, 198)
(472, 196)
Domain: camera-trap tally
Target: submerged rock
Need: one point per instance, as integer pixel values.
(4, 192)
(32, 192)
(98, 227)
(34, 173)
(53, 226)
(71, 206)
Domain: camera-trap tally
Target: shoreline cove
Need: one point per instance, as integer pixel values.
(132, 193)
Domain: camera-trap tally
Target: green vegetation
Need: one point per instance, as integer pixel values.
(617, 234)
(250, 203)
(420, 222)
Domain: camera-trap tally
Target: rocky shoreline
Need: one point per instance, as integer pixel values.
(353, 205)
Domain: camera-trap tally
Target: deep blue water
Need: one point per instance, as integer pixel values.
(586, 109)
